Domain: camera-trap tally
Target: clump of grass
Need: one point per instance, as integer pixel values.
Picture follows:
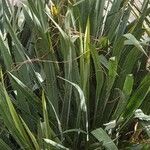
(73, 73)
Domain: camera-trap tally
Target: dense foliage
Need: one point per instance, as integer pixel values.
(73, 74)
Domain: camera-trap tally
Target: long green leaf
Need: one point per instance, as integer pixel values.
(102, 136)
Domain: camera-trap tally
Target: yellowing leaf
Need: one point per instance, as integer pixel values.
(54, 10)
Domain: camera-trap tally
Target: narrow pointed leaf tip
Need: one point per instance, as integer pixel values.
(131, 40)
(56, 145)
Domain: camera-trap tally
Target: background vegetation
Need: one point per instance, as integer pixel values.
(74, 74)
